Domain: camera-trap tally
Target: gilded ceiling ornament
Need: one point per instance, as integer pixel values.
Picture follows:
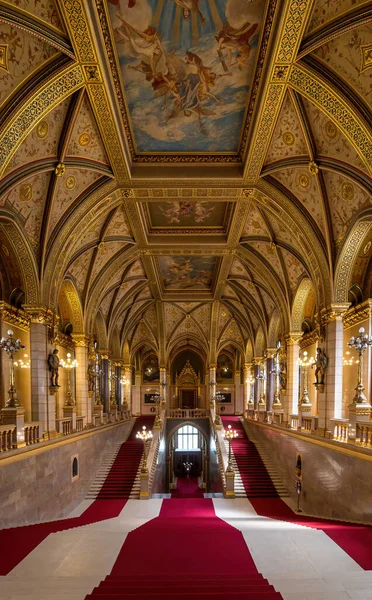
(280, 72)
(5, 250)
(101, 246)
(92, 73)
(42, 129)
(313, 168)
(127, 193)
(84, 139)
(60, 170)
(366, 52)
(347, 191)
(288, 138)
(367, 247)
(303, 181)
(70, 182)
(247, 192)
(25, 192)
(330, 130)
(4, 57)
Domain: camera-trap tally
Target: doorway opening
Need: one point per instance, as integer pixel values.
(187, 463)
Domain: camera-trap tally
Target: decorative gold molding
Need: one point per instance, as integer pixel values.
(33, 110)
(357, 314)
(40, 315)
(14, 316)
(308, 339)
(76, 19)
(81, 340)
(293, 337)
(334, 312)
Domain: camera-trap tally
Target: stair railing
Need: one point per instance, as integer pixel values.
(221, 450)
(147, 478)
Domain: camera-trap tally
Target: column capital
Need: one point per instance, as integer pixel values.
(293, 337)
(271, 352)
(104, 354)
(41, 314)
(14, 316)
(257, 360)
(247, 366)
(334, 312)
(82, 340)
(357, 314)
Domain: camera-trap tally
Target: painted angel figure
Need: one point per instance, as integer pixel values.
(190, 6)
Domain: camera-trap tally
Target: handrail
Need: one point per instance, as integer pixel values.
(187, 413)
(221, 449)
(152, 456)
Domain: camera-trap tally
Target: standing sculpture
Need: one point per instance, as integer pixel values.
(321, 363)
(91, 375)
(53, 362)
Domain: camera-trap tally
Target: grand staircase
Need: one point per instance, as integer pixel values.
(118, 477)
(251, 477)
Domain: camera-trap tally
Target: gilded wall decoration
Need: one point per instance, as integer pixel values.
(46, 10)
(347, 55)
(298, 307)
(287, 139)
(22, 54)
(254, 224)
(119, 224)
(85, 139)
(179, 71)
(346, 199)
(70, 182)
(345, 263)
(32, 149)
(4, 57)
(202, 316)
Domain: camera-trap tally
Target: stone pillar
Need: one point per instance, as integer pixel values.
(293, 354)
(330, 400)
(105, 380)
(83, 401)
(136, 395)
(212, 385)
(118, 386)
(239, 394)
(257, 381)
(127, 388)
(42, 398)
(247, 384)
(270, 378)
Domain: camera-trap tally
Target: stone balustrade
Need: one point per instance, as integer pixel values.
(294, 422)
(8, 439)
(64, 426)
(364, 434)
(340, 430)
(33, 432)
(309, 423)
(79, 423)
(187, 413)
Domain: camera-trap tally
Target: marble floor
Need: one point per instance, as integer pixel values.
(302, 563)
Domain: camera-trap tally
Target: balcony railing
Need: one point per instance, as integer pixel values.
(187, 413)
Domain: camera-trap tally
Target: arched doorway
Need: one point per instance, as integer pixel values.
(188, 460)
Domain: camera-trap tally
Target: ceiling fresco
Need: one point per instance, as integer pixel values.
(187, 66)
(187, 273)
(164, 217)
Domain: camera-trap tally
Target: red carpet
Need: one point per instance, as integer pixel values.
(17, 542)
(355, 540)
(187, 552)
(187, 488)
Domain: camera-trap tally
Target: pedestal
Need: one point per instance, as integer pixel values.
(144, 488)
(98, 414)
(230, 488)
(15, 416)
(358, 412)
(113, 412)
(69, 412)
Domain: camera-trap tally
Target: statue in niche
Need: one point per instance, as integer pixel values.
(91, 375)
(283, 376)
(53, 362)
(321, 363)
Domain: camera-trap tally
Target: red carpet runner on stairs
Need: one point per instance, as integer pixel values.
(187, 488)
(355, 540)
(17, 542)
(187, 552)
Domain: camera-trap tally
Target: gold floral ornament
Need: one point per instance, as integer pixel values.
(303, 181)
(60, 170)
(25, 192)
(313, 168)
(42, 129)
(367, 247)
(70, 182)
(347, 191)
(84, 139)
(288, 138)
(330, 130)
(366, 57)
(4, 57)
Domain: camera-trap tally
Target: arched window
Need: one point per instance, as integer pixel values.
(187, 438)
(75, 467)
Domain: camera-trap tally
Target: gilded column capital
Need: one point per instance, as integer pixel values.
(14, 316)
(41, 314)
(81, 340)
(357, 314)
(271, 352)
(293, 337)
(104, 354)
(334, 312)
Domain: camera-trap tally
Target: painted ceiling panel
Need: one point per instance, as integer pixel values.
(202, 316)
(106, 303)
(25, 54)
(187, 272)
(269, 253)
(173, 315)
(86, 140)
(254, 224)
(46, 10)
(136, 270)
(105, 253)
(79, 269)
(287, 139)
(187, 68)
(187, 216)
(119, 224)
(325, 10)
(295, 270)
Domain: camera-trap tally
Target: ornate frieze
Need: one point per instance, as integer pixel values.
(334, 312)
(358, 314)
(14, 316)
(81, 340)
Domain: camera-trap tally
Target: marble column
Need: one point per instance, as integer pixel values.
(163, 385)
(105, 392)
(42, 401)
(257, 382)
(127, 387)
(118, 386)
(136, 395)
(239, 394)
(330, 399)
(246, 384)
(212, 385)
(270, 378)
(83, 401)
(293, 354)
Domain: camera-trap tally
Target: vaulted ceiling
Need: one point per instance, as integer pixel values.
(195, 169)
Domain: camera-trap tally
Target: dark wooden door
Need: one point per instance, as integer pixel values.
(187, 398)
